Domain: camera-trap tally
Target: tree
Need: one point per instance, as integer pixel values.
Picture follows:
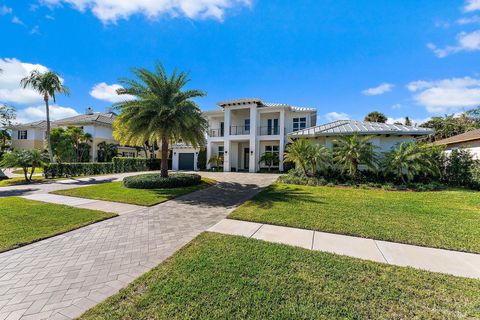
(216, 161)
(451, 125)
(408, 122)
(7, 114)
(162, 111)
(351, 151)
(269, 159)
(409, 159)
(48, 84)
(24, 159)
(297, 152)
(106, 151)
(71, 144)
(319, 157)
(376, 116)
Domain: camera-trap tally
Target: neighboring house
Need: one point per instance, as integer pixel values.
(243, 129)
(469, 141)
(97, 124)
(384, 136)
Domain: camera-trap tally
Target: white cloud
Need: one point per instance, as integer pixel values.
(465, 42)
(446, 95)
(13, 71)
(36, 113)
(397, 106)
(113, 10)
(35, 30)
(470, 20)
(16, 20)
(103, 91)
(472, 5)
(5, 10)
(334, 116)
(381, 89)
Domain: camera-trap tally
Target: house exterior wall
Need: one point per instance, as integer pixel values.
(176, 157)
(383, 142)
(35, 139)
(472, 146)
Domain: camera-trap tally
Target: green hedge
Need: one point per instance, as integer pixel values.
(154, 181)
(119, 165)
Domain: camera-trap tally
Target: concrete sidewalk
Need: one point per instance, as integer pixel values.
(437, 260)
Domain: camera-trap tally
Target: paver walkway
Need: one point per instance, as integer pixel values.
(61, 277)
(438, 260)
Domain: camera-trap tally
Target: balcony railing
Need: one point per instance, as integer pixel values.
(213, 133)
(269, 131)
(239, 130)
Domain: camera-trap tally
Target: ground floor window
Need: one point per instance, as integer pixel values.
(274, 150)
(221, 151)
(128, 154)
(22, 135)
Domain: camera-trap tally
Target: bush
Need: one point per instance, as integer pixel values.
(54, 170)
(130, 164)
(154, 181)
(458, 168)
(202, 159)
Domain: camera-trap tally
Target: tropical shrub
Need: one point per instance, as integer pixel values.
(216, 161)
(24, 159)
(202, 159)
(459, 168)
(106, 151)
(269, 159)
(307, 156)
(351, 151)
(154, 181)
(70, 144)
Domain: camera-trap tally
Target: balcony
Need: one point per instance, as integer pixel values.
(269, 131)
(214, 133)
(239, 130)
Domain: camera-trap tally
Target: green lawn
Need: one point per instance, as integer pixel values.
(443, 219)
(20, 180)
(227, 277)
(115, 191)
(37, 170)
(24, 221)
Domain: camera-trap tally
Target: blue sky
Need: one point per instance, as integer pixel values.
(346, 58)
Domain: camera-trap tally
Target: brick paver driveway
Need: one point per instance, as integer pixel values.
(61, 277)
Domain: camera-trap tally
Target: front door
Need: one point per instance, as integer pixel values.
(246, 158)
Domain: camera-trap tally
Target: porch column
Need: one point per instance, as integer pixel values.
(252, 165)
(209, 152)
(281, 147)
(226, 146)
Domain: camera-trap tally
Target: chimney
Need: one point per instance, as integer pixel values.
(89, 110)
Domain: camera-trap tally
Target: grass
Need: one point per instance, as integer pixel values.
(25, 221)
(442, 219)
(37, 170)
(115, 191)
(227, 277)
(21, 180)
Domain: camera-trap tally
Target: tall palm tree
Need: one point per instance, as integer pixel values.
(376, 116)
(162, 112)
(48, 84)
(351, 151)
(408, 159)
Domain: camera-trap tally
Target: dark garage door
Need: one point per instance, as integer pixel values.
(185, 161)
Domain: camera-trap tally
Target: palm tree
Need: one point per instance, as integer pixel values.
(376, 116)
(269, 159)
(351, 151)
(107, 151)
(162, 111)
(297, 152)
(409, 159)
(47, 84)
(216, 161)
(319, 157)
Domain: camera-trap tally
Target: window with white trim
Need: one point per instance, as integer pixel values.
(275, 151)
(299, 123)
(22, 134)
(220, 151)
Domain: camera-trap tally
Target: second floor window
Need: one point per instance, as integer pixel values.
(299, 123)
(222, 129)
(247, 125)
(22, 135)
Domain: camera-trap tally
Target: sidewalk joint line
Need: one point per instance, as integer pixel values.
(381, 252)
(257, 230)
(313, 239)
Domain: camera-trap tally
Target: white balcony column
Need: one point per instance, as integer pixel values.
(253, 162)
(209, 153)
(281, 148)
(226, 146)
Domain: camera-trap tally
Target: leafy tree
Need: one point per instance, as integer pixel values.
(351, 151)
(216, 161)
(269, 159)
(71, 144)
(376, 116)
(48, 84)
(24, 159)
(7, 114)
(4, 139)
(296, 152)
(162, 111)
(106, 151)
(458, 168)
(409, 159)
(451, 125)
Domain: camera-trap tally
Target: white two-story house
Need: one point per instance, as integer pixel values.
(244, 129)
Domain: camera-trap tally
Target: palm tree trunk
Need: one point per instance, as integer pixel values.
(25, 173)
(31, 172)
(164, 167)
(47, 112)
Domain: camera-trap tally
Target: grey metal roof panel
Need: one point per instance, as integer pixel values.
(346, 127)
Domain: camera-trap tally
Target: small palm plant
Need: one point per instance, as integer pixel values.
(107, 151)
(48, 84)
(319, 157)
(409, 159)
(297, 152)
(24, 159)
(351, 151)
(269, 159)
(162, 111)
(216, 161)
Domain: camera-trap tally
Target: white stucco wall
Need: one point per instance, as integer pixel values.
(472, 146)
(383, 142)
(176, 158)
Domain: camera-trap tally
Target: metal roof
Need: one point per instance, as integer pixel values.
(349, 127)
(261, 104)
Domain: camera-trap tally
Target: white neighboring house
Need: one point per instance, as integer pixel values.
(469, 141)
(384, 136)
(243, 129)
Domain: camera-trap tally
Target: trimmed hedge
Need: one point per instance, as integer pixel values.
(154, 181)
(119, 165)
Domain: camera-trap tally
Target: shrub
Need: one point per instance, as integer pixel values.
(457, 168)
(154, 181)
(54, 170)
(202, 159)
(130, 164)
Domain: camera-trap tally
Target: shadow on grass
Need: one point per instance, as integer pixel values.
(273, 195)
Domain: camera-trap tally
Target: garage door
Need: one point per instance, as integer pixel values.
(186, 161)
